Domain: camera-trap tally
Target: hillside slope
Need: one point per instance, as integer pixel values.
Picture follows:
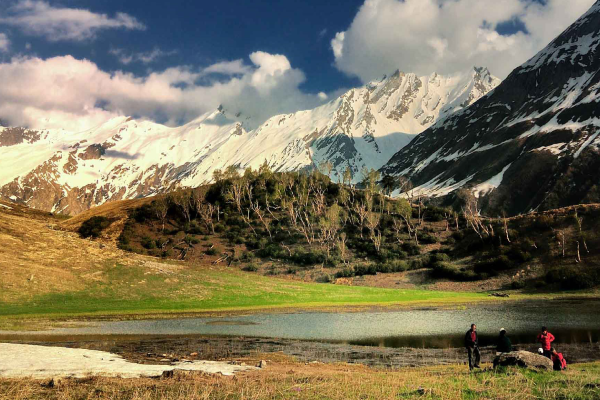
(530, 144)
(124, 158)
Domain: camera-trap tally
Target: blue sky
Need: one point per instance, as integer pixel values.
(76, 63)
(201, 33)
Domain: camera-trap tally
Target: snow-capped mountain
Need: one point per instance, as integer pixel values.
(124, 158)
(532, 142)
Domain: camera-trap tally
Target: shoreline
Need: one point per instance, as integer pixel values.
(14, 324)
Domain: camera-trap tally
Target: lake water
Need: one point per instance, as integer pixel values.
(573, 321)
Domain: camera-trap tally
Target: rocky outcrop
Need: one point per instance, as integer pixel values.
(523, 359)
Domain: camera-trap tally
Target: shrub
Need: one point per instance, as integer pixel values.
(446, 270)
(148, 243)
(572, 278)
(94, 226)
(250, 268)
(211, 251)
(308, 257)
(426, 238)
(411, 248)
(345, 273)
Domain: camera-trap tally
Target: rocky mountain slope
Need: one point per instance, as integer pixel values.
(532, 143)
(123, 158)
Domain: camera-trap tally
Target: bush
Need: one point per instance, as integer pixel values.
(313, 257)
(426, 238)
(446, 270)
(94, 226)
(250, 268)
(573, 278)
(211, 251)
(148, 243)
(411, 248)
(345, 273)
(493, 266)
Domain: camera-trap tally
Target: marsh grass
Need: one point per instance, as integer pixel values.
(292, 380)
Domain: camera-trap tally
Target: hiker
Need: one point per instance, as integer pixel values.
(472, 345)
(545, 339)
(558, 360)
(504, 344)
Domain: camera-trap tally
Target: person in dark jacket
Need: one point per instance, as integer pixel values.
(472, 345)
(504, 344)
(545, 339)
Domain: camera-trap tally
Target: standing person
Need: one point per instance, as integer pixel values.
(545, 339)
(504, 343)
(472, 345)
(558, 360)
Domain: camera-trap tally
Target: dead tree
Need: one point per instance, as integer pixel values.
(206, 212)
(183, 199)
(161, 209)
(261, 216)
(505, 223)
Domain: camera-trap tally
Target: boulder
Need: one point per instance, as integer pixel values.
(523, 359)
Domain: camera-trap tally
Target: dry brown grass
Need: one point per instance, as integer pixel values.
(285, 379)
(37, 256)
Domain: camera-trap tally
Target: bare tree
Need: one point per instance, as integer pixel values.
(261, 216)
(581, 234)
(505, 223)
(235, 194)
(373, 220)
(183, 199)
(206, 211)
(161, 209)
(329, 227)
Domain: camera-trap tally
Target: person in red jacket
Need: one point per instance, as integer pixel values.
(558, 360)
(545, 339)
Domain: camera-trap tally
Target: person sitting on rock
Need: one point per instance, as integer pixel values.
(560, 364)
(504, 344)
(472, 345)
(545, 339)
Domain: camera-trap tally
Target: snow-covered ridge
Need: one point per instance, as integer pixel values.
(531, 142)
(124, 158)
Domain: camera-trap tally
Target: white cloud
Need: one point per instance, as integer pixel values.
(322, 96)
(4, 43)
(447, 36)
(64, 92)
(39, 18)
(228, 68)
(143, 57)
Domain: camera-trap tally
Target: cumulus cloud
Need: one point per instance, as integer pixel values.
(144, 57)
(4, 43)
(39, 18)
(448, 36)
(64, 92)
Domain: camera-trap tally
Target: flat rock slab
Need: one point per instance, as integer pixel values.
(523, 359)
(41, 362)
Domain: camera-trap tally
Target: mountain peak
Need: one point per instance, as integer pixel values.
(532, 142)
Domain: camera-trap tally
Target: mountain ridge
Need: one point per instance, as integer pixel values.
(521, 146)
(124, 158)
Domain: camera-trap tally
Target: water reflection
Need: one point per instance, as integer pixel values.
(570, 321)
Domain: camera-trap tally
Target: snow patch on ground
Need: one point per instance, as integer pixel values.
(491, 184)
(41, 362)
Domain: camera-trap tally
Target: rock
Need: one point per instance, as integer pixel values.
(523, 359)
(499, 294)
(262, 364)
(193, 354)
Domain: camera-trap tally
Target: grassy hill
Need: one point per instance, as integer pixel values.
(302, 226)
(46, 271)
